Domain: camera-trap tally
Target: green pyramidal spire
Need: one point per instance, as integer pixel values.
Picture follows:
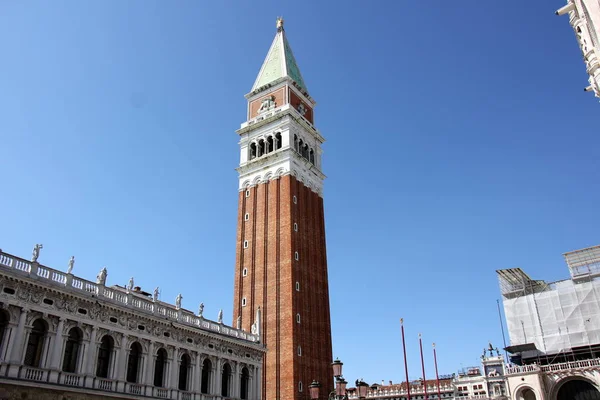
(280, 62)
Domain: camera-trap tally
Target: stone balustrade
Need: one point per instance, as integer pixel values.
(119, 296)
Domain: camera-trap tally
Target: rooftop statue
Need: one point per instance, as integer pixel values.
(178, 301)
(155, 295)
(220, 316)
(71, 264)
(200, 310)
(101, 277)
(130, 286)
(36, 252)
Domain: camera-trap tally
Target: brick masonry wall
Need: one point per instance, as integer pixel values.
(272, 273)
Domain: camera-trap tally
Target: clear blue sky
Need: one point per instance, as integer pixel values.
(459, 141)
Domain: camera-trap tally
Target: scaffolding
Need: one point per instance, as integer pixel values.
(556, 317)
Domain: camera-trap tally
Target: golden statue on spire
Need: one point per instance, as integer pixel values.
(279, 23)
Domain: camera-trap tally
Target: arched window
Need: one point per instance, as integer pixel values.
(305, 151)
(244, 384)
(35, 343)
(527, 394)
(133, 362)
(225, 380)
(311, 156)
(270, 146)
(159, 367)
(277, 141)
(300, 146)
(72, 350)
(184, 367)
(206, 375)
(252, 151)
(105, 351)
(4, 320)
(261, 148)
(295, 142)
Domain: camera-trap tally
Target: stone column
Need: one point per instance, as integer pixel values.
(55, 358)
(216, 378)
(235, 376)
(173, 382)
(89, 359)
(121, 365)
(15, 351)
(257, 394)
(197, 376)
(148, 369)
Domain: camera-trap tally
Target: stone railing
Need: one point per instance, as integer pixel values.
(571, 365)
(416, 390)
(119, 296)
(595, 362)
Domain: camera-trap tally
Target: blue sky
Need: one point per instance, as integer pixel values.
(459, 141)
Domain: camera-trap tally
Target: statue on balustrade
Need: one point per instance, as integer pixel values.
(201, 310)
(238, 324)
(178, 301)
(36, 252)
(220, 320)
(101, 277)
(130, 286)
(156, 293)
(71, 264)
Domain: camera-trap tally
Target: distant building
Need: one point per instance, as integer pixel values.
(584, 17)
(64, 337)
(554, 331)
(485, 382)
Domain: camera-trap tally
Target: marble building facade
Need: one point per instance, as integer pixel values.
(61, 335)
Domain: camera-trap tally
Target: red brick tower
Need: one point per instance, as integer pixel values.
(281, 263)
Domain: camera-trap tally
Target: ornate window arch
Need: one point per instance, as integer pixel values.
(133, 362)
(72, 349)
(206, 376)
(244, 384)
(159, 367)
(107, 345)
(35, 343)
(184, 368)
(226, 373)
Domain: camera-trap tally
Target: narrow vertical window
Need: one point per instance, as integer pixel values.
(299, 351)
(247, 193)
(299, 386)
(298, 318)
(246, 217)
(295, 199)
(297, 286)
(244, 302)
(295, 227)
(245, 244)
(245, 272)
(296, 256)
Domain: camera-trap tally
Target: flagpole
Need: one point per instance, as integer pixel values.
(405, 362)
(423, 367)
(437, 377)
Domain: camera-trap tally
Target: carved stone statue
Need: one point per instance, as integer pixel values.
(155, 295)
(130, 285)
(200, 310)
(36, 252)
(268, 103)
(71, 264)
(238, 323)
(101, 277)
(220, 320)
(178, 301)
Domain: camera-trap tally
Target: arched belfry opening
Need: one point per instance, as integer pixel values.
(578, 389)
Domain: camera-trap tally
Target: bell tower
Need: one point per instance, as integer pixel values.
(281, 263)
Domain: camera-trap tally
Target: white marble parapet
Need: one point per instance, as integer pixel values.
(118, 296)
